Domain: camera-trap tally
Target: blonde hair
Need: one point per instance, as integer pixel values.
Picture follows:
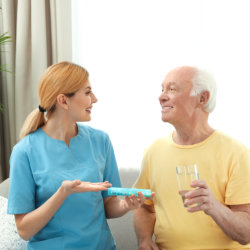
(60, 78)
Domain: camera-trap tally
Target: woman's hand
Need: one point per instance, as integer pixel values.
(133, 202)
(78, 186)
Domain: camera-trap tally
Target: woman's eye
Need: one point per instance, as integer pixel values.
(88, 93)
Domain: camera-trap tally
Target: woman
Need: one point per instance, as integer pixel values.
(59, 167)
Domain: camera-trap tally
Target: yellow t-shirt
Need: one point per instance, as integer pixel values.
(222, 162)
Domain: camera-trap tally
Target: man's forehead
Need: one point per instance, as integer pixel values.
(180, 74)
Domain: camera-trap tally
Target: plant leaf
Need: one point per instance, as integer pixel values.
(4, 38)
(4, 69)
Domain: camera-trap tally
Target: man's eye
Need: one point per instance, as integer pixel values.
(87, 93)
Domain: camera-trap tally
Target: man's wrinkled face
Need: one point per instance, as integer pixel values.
(177, 104)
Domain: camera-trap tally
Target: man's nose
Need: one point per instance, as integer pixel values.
(163, 97)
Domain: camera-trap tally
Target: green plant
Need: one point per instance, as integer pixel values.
(4, 39)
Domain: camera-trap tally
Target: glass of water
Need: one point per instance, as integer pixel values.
(185, 175)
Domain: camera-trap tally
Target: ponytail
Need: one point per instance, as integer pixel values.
(33, 121)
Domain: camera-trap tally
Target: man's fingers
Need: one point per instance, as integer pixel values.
(197, 208)
(196, 192)
(197, 200)
(199, 183)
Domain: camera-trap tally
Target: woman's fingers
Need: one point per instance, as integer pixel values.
(134, 201)
(106, 184)
(152, 196)
(76, 183)
(78, 186)
(95, 187)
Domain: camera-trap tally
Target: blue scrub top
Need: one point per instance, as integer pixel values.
(40, 163)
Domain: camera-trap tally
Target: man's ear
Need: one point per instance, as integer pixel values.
(203, 98)
(62, 101)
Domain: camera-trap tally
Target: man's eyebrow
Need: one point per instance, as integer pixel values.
(88, 87)
(172, 83)
(169, 83)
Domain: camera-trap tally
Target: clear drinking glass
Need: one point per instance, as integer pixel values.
(185, 175)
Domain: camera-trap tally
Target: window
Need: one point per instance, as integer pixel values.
(128, 46)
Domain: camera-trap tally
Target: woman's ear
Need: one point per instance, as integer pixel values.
(62, 101)
(203, 98)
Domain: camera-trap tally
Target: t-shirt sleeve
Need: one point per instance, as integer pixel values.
(237, 190)
(143, 178)
(111, 172)
(142, 181)
(21, 197)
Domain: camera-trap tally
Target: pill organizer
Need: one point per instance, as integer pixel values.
(128, 191)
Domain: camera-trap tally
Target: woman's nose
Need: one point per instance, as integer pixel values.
(93, 98)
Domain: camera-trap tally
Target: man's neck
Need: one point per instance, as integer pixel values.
(190, 135)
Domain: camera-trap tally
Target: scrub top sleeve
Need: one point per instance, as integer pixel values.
(21, 197)
(111, 172)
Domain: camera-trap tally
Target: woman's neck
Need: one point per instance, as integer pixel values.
(60, 129)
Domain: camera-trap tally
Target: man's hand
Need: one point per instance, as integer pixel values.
(78, 186)
(234, 220)
(202, 196)
(133, 202)
(148, 245)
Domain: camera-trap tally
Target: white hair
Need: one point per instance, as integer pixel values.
(204, 81)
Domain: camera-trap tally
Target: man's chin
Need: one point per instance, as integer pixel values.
(164, 119)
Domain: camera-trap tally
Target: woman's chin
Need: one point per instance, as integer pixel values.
(87, 119)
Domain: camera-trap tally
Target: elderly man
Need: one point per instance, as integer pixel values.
(217, 212)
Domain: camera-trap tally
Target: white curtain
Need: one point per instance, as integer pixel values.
(41, 36)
